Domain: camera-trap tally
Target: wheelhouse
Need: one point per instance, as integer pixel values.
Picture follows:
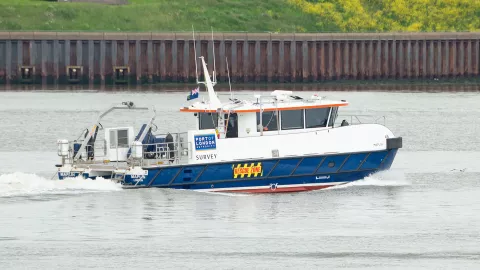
(281, 115)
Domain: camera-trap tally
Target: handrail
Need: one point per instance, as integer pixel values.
(156, 153)
(356, 117)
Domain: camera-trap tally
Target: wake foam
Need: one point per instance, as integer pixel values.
(23, 184)
(390, 178)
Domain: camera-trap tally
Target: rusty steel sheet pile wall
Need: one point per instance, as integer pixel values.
(140, 58)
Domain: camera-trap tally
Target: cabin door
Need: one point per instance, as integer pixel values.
(232, 126)
(118, 143)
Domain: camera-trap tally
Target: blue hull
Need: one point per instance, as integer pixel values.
(268, 175)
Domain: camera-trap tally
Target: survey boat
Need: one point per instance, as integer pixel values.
(280, 142)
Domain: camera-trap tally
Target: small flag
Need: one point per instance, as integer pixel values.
(193, 94)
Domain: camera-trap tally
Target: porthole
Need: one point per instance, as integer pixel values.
(331, 164)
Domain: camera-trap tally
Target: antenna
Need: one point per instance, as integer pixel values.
(228, 73)
(195, 52)
(214, 69)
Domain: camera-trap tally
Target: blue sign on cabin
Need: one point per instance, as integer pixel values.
(205, 142)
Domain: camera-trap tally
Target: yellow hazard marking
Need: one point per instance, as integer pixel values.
(246, 170)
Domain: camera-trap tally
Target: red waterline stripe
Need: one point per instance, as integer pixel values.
(277, 190)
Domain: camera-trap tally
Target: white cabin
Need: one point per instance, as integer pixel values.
(282, 113)
(279, 125)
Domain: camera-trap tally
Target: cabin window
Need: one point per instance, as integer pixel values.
(333, 116)
(208, 120)
(292, 119)
(119, 137)
(122, 138)
(269, 121)
(315, 118)
(113, 139)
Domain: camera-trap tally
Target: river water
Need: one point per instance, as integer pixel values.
(422, 214)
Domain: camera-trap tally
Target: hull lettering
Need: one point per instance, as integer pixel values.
(206, 156)
(137, 177)
(68, 174)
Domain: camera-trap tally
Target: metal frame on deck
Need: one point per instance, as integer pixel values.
(173, 152)
(128, 105)
(161, 155)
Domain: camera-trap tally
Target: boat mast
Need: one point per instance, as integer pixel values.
(209, 82)
(212, 80)
(214, 101)
(214, 67)
(228, 74)
(195, 53)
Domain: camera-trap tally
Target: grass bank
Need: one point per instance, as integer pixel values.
(155, 15)
(243, 15)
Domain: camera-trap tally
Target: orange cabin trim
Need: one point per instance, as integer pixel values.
(267, 109)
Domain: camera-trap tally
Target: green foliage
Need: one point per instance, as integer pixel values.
(244, 15)
(393, 15)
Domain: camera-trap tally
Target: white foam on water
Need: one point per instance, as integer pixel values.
(26, 184)
(390, 178)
